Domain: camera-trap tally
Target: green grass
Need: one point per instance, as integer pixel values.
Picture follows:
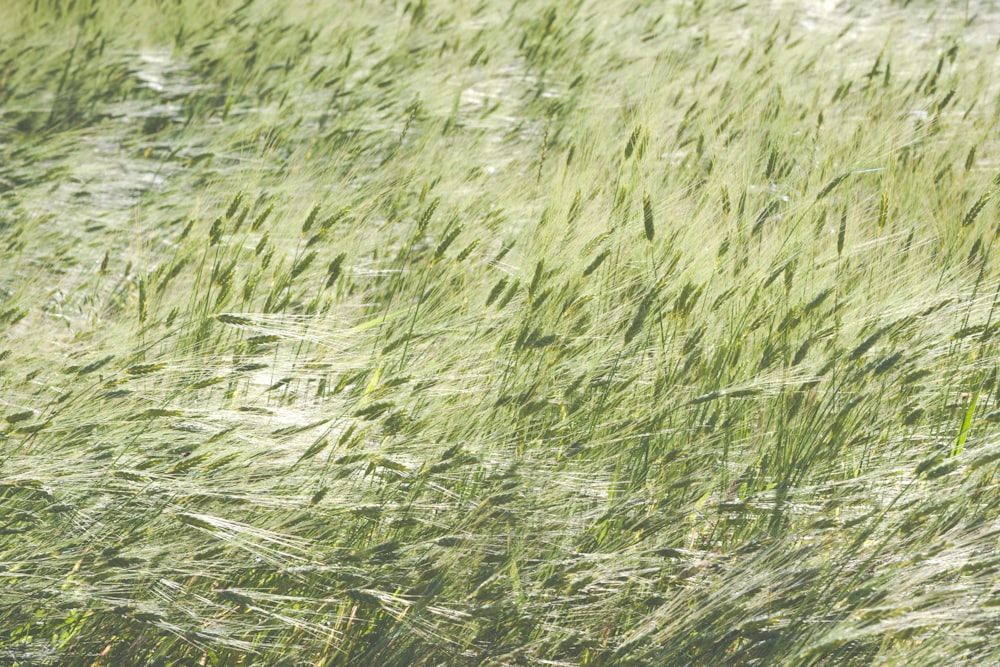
(504, 333)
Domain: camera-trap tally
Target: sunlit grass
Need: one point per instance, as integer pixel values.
(418, 334)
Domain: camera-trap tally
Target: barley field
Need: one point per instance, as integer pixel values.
(497, 332)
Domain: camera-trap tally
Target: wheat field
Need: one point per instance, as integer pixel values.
(499, 332)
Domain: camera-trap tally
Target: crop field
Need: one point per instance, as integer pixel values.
(497, 332)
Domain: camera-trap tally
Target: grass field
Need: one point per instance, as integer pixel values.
(499, 333)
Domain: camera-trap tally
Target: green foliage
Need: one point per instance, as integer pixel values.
(499, 333)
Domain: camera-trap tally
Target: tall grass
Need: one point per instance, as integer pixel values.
(513, 333)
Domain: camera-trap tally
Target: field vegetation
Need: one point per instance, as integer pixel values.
(499, 333)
